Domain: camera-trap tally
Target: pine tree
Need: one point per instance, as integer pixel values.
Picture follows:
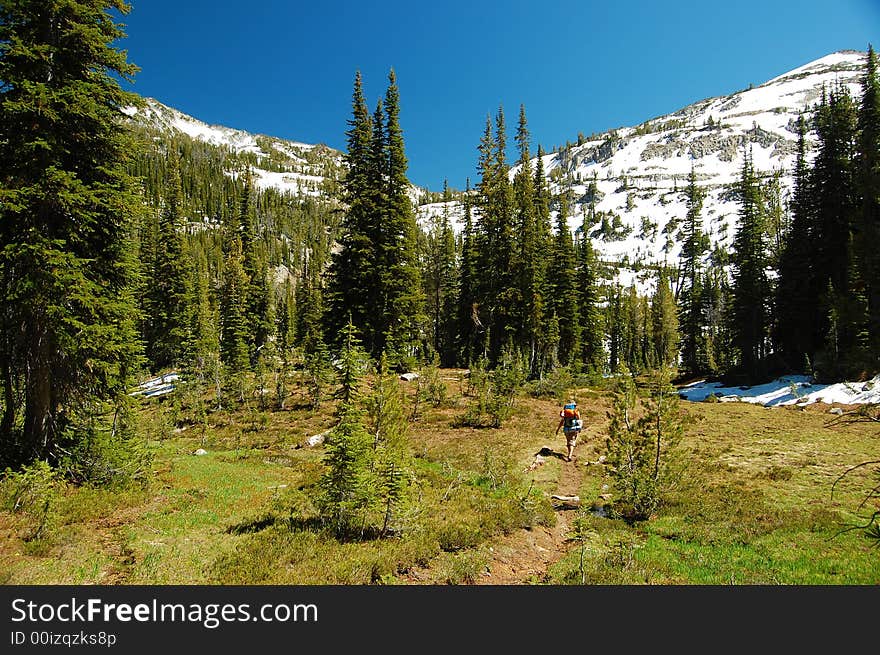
(565, 297)
(614, 326)
(389, 459)
(548, 328)
(868, 224)
(718, 309)
(592, 344)
(634, 326)
(402, 301)
(498, 293)
(664, 323)
(258, 301)
(468, 323)
(440, 280)
(375, 274)
(530, 260)
(353, 366)
(693, 358)
(449, 276)
(169, 288)
(285, 339)
(345, 486)
(834, 198)
(751, 288)
(352, 284)
(796, 296)
(233, 321)
(66, 224)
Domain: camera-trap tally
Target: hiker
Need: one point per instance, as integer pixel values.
(570, 422)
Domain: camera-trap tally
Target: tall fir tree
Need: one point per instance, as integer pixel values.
(234, 332)
(796, 293)
(692, 322)
(259, 309)
(664, 323)
(469, 327)
(614, 326)
(751, 288)
(868, 223)
(170, 282)
(530, 260)
(376, 278)
(564, 302)
(835, 201)
(403, 303)
(498, 294)
(548, 329)
(592, 354)
(66, 224)
(449, 281)
(352, 284)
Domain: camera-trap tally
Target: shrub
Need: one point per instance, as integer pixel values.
(32, 493)
(493, 393)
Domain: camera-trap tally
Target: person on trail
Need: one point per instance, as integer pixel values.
(570, 422)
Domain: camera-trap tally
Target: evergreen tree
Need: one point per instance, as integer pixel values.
(796, 296)
(530, 260)
(614, 326)
(498, 294)
(468, 322)
(634, 325)
(563, 278)
(717, 308)
(868, 224)
(440, 280)
(693, 357)
(403, 304)
(835, 201)
(751, 288)
(345, 486)
(664, 323)
(352, 284)
(353, 365)
(169, 285)
(389, 458)
(375, 273)
(234, 332)
(258, 302)
(548, 328)
(66, 225)
(449, 283)
(592, 345)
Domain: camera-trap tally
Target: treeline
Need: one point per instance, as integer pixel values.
(794, 293)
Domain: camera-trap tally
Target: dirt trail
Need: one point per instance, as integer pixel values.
(525, 556)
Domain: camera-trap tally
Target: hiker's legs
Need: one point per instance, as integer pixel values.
(571, 441)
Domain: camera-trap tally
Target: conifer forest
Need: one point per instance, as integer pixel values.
(129, 253)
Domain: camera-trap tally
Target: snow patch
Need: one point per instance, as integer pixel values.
(787, 390)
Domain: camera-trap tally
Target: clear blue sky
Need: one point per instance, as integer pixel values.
(286, 68)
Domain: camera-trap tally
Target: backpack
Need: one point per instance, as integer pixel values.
(572, 417)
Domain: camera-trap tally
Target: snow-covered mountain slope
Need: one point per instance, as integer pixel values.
(288, 166)
(641, 172)
(300, 169)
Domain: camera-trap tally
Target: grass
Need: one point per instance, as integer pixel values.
(752, 505)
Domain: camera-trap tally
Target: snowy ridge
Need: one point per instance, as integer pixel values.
(641, 172)
(305, 167)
